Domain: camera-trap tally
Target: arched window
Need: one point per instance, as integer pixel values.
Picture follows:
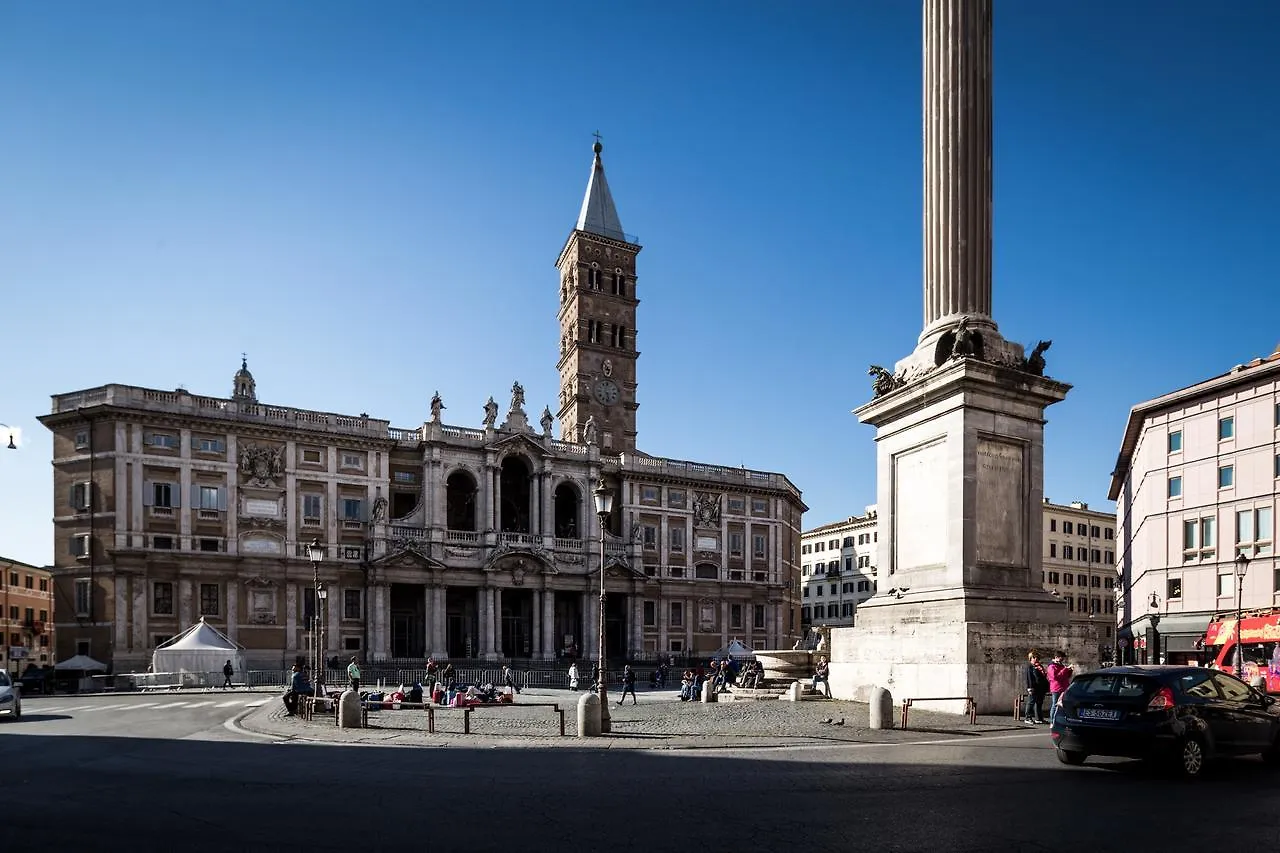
(568, 512)
(460, 501)
(515, 495)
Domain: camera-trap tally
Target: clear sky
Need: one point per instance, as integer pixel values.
(368, 199)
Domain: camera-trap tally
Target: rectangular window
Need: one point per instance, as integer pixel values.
(759, 506)
(1053, 549)
(757, 616)
(649, 495)
(1175, 487)
(44, 584)
(83, 596)
(1226, 476)
(709, 572)
(675, 498)
(351, 604)
(312, 507)
(159, 439)
(1095, 531)
(210, 545)
(353, 460)
(82, 440)
(162, 598)
(1067, 527)
(735, 544)
(650, 614)
(1108, 533)
(1053, 577)
(162, 543)
(405, 477)
(677, 614)
(164, 495)
(1175, 441)
(1053, 525)
(208, 445)
(79, 545)
(1208, 538)
(1254, 531)
(352, 509)
(81, 495)
(1226, 428)
(1226, 585)
(210, 599)
(735, 616)
(737, 505)
(82, 647)
(650, 536)
(1173, 588)
(210, 498)
(312, 457)
(759, 544)
(676, 536)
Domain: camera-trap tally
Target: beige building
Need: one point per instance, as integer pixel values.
(1079, 564)
(1196, 485)
(836, 571)
(26, 622)
(460, 541)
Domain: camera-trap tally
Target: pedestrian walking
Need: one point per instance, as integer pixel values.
(1037, 685)
(353, 674)
(628, 685)
(227, 671)
(509, 678)
(1059, 675)
(573, 676)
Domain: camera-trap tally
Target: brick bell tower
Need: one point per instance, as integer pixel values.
(598, 322)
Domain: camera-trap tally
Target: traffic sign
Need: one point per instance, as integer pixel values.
(17, 652)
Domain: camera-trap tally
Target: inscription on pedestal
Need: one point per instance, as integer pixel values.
(920, 506)
(1001, 503)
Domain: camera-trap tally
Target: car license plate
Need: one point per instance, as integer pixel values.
(1099, 714)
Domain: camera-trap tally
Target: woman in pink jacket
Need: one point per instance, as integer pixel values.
(1059, 680)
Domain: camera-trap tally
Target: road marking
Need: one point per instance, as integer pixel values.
(257, 703)
(971, 740)
(140, 705)
(171, 705)
(199, 704)
(231, 704)
(104, 708)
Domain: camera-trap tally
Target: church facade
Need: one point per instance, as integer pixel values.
(461, 542)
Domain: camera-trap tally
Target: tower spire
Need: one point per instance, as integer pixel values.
(599, 215)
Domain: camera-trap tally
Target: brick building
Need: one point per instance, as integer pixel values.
(26, 622)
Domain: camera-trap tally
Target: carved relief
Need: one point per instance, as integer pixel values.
(260, 522)
(261, 464)
(706, 509)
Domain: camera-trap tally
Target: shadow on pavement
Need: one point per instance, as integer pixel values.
(141, 794)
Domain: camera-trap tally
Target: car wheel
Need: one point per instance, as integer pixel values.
(1191, 758)
(1067, 756)
(1272, 755)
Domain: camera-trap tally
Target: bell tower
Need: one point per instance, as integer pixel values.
(598, 323)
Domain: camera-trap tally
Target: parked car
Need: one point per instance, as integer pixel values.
(10, 697)
(1185, 715)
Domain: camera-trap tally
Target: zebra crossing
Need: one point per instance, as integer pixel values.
(125, 707)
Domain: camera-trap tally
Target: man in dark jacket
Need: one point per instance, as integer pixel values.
(1037, 685)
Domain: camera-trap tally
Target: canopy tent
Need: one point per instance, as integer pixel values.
(80, 663)
(736, 649)
(201, 648)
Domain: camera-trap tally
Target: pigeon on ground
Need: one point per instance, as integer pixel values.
(825, 722)
(839, 722)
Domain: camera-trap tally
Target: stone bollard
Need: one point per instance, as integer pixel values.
(793, 692)
(349, 710)
(708, 691)
(589, 715)
(881, 708)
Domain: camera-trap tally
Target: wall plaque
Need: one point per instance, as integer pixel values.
(1000, 503)
(920, 506)
(257, 506)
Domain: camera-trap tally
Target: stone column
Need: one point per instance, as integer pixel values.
(120, 640)
(637, 623)
(495, 597)
(957, 159)
(291, 617)
(233, 608)
(724, 624)
(664, 607)
(549, 638)
(333, 619)
(590, 606)
(140, 639)
(482, 613)
(535, 641)
(439, 619)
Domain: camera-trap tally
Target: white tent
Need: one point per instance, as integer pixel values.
(80, 663)
(201, 648)
(736, 649)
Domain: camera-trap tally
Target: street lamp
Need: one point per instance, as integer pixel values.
(316, 551)
(1154, 604)
(12, 444)
(604, 506)
(1242, 566)
(322, 592)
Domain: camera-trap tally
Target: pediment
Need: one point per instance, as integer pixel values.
(407, 557)
(521, 442)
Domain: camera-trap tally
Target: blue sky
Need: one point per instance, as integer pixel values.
(368, 199)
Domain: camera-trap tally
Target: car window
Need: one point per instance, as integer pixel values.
(4, 679)
(1233, 689)
(1111, 684)
(1198, 684)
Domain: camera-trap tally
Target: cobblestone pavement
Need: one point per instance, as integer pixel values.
(657, 721)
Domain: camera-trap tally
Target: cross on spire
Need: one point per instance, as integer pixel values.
(596, 135)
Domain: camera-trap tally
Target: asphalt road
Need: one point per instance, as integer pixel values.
(177, 778)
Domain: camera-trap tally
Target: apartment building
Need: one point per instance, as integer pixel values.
(26, 622)
(1195, 485)
(836, 571)
(1079, 565)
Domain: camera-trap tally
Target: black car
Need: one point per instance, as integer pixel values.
(1182, 714)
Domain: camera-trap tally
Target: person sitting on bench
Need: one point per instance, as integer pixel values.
(299, 686)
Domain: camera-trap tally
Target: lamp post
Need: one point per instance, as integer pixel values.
(316, 552)
(12, 445)
(1242, 566)
(604, 506)
(1154, 604)
(322, 592)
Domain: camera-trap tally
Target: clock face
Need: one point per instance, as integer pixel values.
(607, 392)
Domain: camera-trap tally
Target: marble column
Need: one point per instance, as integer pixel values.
(233, 609)
(664, 606)
(439, 622)
(637, 624)
(957, 159)
(482, 613)
(332, 625)
(590, 634)
(291, 616)
(139, 593)
(120, 628)
(535, 641)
